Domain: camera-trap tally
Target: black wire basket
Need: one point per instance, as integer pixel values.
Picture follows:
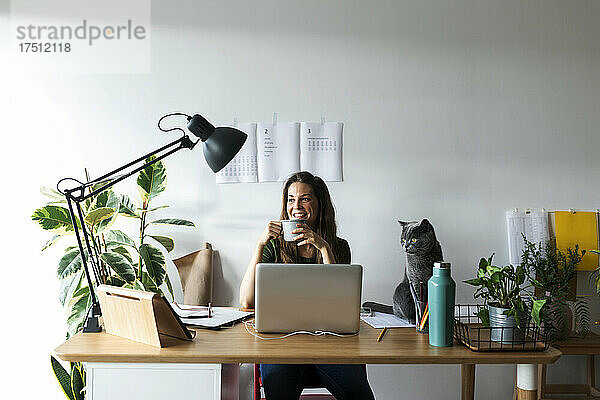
(469, 331)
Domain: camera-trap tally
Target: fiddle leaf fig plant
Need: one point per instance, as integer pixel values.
(504, 287)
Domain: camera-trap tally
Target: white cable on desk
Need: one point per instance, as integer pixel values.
(315, 333)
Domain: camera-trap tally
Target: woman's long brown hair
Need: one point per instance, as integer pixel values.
(326, 226)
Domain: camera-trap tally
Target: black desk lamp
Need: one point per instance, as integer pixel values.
(220, 146)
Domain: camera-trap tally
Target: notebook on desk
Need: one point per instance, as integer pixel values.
(309, 297)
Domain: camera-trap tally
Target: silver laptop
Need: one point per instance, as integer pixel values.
(310, 297)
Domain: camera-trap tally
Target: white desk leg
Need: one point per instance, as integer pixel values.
(527, 381)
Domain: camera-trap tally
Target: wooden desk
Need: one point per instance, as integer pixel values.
(232, 346)
(589, 347)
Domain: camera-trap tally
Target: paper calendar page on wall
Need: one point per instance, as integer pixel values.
(274, 151)
(243, 166)
(532, 224)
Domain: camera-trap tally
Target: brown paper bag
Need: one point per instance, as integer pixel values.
(196, 273)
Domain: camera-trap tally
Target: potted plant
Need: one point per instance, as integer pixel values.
(550, 273)
(121, 261)
(504, 292)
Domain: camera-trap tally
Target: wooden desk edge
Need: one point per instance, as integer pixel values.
(547, 357)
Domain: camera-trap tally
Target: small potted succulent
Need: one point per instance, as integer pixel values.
(505, 291)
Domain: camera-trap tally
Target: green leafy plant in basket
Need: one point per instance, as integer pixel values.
(550, 272)
(505, 288)
(120, 260)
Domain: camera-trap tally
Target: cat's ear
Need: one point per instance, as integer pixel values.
(402, 223)
(425, 224)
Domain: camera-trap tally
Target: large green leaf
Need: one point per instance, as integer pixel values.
(474, 282)
(482, 264)
(114, 280)
(110, 200)
(63, 377)
(167, 242)
(122, 250)
(79, 306)
(496, 277)
(54, 218)
(484, 316)
(137, 285)
(69, 264)
(51, 241)
(169, 286)
(149, 284)
(535, 310)
(152, 180)
(127, 207)
(98, 215)
(68, 286)
(152, 209)
(116, 237)
(77, 382)
(52, 194)
(173, 221)
(118, 263)
(155, 262)
(491, 269)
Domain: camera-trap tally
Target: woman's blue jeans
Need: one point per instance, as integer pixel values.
(286, 381)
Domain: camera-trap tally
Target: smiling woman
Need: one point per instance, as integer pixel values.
(305, 197)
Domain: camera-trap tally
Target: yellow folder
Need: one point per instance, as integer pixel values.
(578, 228)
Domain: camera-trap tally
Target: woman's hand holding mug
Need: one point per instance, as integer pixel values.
(308, 236)
(272, 231)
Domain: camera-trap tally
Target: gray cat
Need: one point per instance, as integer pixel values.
(422, 250)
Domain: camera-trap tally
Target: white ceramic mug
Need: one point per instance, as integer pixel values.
(288, 225)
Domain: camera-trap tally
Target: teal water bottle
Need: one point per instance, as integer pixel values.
(440, 296)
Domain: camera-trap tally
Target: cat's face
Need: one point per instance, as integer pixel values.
(417, 237)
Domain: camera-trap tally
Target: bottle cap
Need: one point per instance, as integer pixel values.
(442, 265)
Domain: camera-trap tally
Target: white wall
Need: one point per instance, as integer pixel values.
(454, 110)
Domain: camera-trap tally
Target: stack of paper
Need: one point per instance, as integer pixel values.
(197, 316)
(382, 320)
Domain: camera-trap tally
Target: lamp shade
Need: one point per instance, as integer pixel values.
(220, 144)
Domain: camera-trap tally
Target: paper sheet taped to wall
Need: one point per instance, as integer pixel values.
(274, 151)
(533, 224)
(278, 150)
(243, 166)
(321, 149)
(578, 228)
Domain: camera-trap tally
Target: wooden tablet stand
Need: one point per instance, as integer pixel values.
(145, 317)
